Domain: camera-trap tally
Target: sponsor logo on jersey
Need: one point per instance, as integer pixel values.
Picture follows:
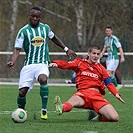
(37, 41)
(108, 47)
(89, 74)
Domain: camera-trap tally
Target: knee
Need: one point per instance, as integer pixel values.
(114, 118)
(42, 79)
(22, 92)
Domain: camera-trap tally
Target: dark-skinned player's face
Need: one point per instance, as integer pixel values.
(34, 17)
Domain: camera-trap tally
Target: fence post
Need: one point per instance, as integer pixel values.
(125, 49)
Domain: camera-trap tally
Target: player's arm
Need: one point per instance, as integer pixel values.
(17, 48)
(122, 55)
(58, 42)
(59, 63)
(103, 52)
(14, 58)
(64, 64)
(119, 46)
(112, 89)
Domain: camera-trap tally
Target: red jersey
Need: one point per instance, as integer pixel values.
(87, 75)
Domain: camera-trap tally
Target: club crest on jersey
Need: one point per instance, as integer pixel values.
(37, 41)
(108, 47)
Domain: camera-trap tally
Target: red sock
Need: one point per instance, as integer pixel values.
(103, 119)
(66, 107)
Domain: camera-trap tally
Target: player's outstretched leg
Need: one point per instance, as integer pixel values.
(58, 105)
(94, 117)
(99, 118)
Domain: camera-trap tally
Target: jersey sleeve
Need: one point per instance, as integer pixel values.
(50, 33)
(117, 42)
(67, 65)
(19, 40)
(109, 85)
(105, 44)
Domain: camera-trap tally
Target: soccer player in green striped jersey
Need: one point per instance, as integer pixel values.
(112, 45)
(33, 39)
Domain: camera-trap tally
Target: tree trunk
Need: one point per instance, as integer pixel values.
(12, 26)
(79, 15)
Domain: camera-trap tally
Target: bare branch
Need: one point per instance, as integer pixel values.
(55, 14)
(25, 2)
(48, 11)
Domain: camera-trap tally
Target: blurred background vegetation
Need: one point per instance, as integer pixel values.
(78, 23)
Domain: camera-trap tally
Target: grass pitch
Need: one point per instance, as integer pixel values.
(75, 121)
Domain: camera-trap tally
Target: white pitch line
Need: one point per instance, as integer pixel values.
(55, 84)
(37, 84)
(9, 112)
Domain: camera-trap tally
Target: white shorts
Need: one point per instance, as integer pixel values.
(112, 64)
(31, 72)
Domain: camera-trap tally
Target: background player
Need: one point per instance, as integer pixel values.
(112, 45)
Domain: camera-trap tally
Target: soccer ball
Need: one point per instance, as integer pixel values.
(19, 115)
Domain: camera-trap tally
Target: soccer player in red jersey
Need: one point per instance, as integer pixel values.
(91, 77)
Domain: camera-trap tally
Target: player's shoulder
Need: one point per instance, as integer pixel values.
(99, 65)
(44, 25)
(77, 59)
(105, 38)
(115, 37)
(81, 59)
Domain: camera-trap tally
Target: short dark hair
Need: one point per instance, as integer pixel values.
(36, 8)
(109, 27)
(93, 47)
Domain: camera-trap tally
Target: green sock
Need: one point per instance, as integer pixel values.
(113, 79)
(44, 95)
(21, 102)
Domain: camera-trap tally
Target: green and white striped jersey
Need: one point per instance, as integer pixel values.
(34, 42)
(112, 45)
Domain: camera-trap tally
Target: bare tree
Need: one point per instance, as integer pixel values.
(12, 25)
(78, 8)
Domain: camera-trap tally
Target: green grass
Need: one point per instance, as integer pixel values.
(75, 121)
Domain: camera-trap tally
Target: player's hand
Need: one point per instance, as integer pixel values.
(122, 60)
(53, 65)
(10, 64)
(70, 52)
(119, 98)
